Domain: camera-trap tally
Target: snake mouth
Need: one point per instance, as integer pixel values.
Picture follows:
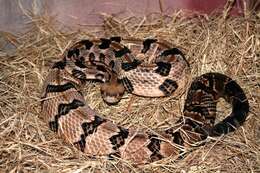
(112, 91)
(111, 99)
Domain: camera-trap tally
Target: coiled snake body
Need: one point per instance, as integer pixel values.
(148, 68)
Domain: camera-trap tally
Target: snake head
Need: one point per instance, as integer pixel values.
(112, 91)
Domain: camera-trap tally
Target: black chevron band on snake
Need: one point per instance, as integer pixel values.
(121, 52)
(130, 65)
(116, 39)
(147, 44)
(167, 75)
(59, 65)
(105, 43)
(64, 109)
(73, 52)
(163, 68)
(91, 127)
(154, 147)
(88, 129)
(119, 140)
(59, 88)
(168, 87)
(80, 62)
(87, 43)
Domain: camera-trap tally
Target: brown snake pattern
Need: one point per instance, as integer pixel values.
(149, 68)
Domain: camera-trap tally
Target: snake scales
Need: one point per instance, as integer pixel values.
(150, 68)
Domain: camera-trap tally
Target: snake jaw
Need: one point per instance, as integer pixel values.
(112, 91)
(112, 96)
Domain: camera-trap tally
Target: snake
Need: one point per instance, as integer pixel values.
(144, 67)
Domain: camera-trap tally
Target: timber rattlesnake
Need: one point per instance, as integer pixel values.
(148, 68)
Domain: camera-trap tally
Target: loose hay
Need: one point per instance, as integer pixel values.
(219, 43)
